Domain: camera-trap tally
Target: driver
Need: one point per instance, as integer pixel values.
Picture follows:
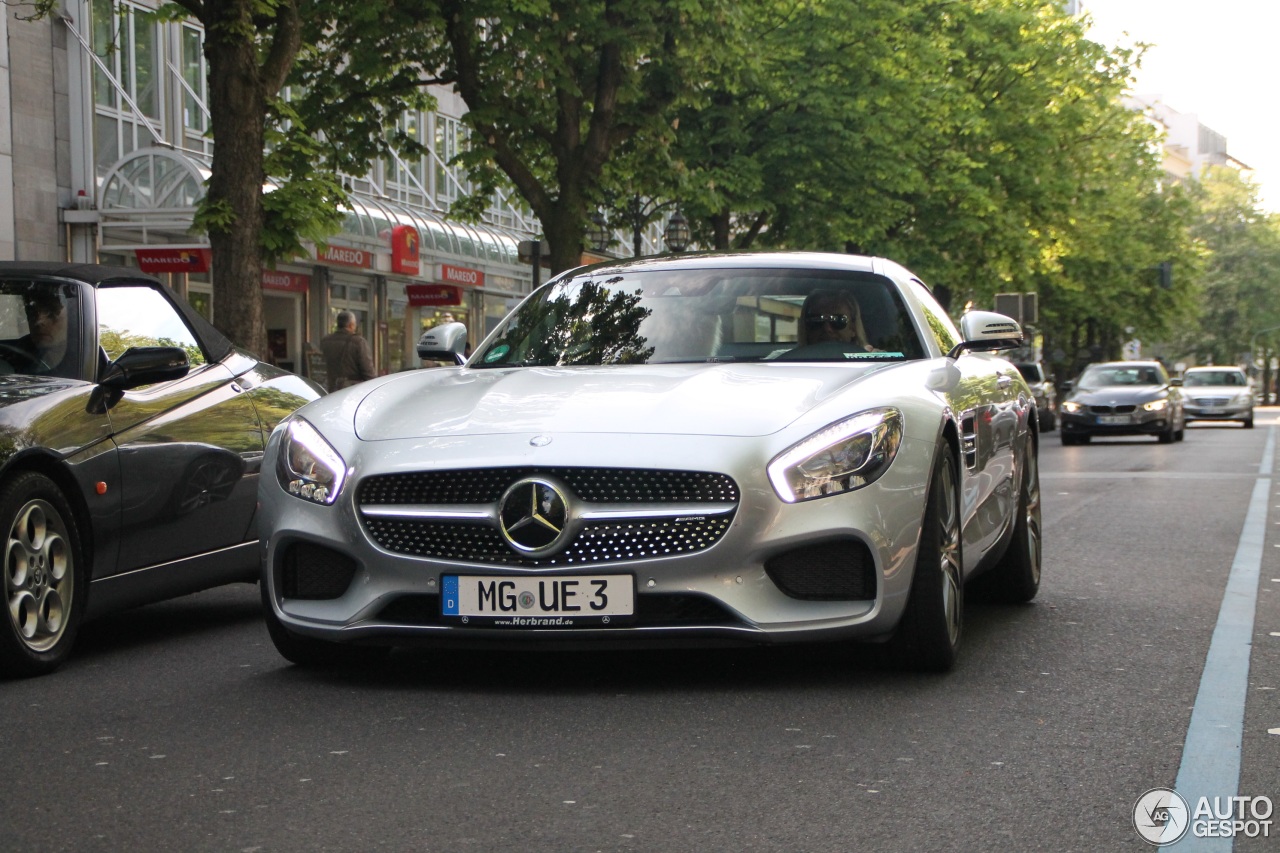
(832, 315)
(47, 340)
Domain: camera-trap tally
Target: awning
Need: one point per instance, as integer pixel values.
(149, 198)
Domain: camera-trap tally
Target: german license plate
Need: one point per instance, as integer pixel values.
(1113, 419)
(1213, 410)
(561, 601)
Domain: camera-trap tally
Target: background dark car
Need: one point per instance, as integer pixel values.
(1046, 396)
(1122, 398)
(131, 437)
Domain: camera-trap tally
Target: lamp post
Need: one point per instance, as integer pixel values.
(598, 232)
(677, 233)
(638, 211)
(1266, 362)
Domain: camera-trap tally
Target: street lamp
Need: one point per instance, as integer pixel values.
(598, 233)
(677, 233)
(1266, 362)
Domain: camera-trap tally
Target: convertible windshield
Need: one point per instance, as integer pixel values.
(665, 316)
(1106, 377)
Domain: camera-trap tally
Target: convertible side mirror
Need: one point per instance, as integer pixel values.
(138, 366)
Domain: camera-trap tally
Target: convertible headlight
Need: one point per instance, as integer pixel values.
(844, 456)
(1156, 405)
(307, 465)
(1072, 406)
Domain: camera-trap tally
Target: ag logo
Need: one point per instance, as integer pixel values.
(1161, 816)
(534, 516)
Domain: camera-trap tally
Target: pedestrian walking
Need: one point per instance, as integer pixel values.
(347, 355)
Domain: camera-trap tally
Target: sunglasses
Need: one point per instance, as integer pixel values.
(837, 321)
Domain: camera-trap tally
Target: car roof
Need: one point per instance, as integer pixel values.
(93, 274)
(1205, 368)
(741, 260)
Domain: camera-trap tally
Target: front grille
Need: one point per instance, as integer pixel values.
(594, 485)
(839, 570)
(601, 542)
(691, 524)
(313, 572)
(1112, 410)
(652, 611)
(1210, 401)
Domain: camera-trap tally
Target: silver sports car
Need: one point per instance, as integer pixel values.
(757, 448)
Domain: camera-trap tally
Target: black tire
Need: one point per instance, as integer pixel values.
(1016, 578)
(1170, 435)
(1248, 422)
(45, 580)
(928, 637)
(310, 652)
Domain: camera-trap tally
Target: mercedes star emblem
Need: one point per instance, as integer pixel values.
(533, 515)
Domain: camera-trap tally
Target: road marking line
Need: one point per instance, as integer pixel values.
(1211, 753)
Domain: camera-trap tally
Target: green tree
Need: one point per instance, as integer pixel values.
(553, 88)
(1239, 300)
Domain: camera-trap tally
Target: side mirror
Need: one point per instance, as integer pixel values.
(145, 365)
(987, 331)
(1177, 380)
(445, 342)
(1069, 385)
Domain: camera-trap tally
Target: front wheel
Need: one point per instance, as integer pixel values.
(44, 576)
(928, 637)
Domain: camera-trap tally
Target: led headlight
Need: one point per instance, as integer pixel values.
(844, 456)
(1156, 405)
(307, 465)
(1072, 406)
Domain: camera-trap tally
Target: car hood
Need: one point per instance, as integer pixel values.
(1215, 391)
(1119, 394)
(734, 400)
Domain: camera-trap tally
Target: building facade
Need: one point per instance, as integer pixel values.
(104, 152)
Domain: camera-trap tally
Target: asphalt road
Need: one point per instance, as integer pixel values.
(177, 727)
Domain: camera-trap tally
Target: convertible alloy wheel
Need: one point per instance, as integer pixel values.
(43, 579)
(928, 637)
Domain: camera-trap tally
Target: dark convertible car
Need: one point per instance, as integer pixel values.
(131, 437)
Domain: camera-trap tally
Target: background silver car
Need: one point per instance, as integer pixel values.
(1046, 396)
(748, 448)
(1217, 394)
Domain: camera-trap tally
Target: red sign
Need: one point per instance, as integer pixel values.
(433, 294)
(345, 256)
(173, 260)
(404, 249)
(459, 275)
(290, 281)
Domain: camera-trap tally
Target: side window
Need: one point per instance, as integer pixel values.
(940, 325)
(137, 316)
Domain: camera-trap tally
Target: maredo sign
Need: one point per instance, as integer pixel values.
(404, 249)
(450, 274)
(345, 256)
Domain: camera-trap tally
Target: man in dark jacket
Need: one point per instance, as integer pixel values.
(347, 356)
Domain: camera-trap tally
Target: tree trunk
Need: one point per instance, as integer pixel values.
(237, 107)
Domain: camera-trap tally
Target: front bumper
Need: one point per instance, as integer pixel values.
(1218, 412)
(1131, 423)
(727, 592)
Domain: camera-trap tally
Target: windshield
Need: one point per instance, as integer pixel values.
(666, 316)
(1215, 377)
(1105, 376)
(1031, 372)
